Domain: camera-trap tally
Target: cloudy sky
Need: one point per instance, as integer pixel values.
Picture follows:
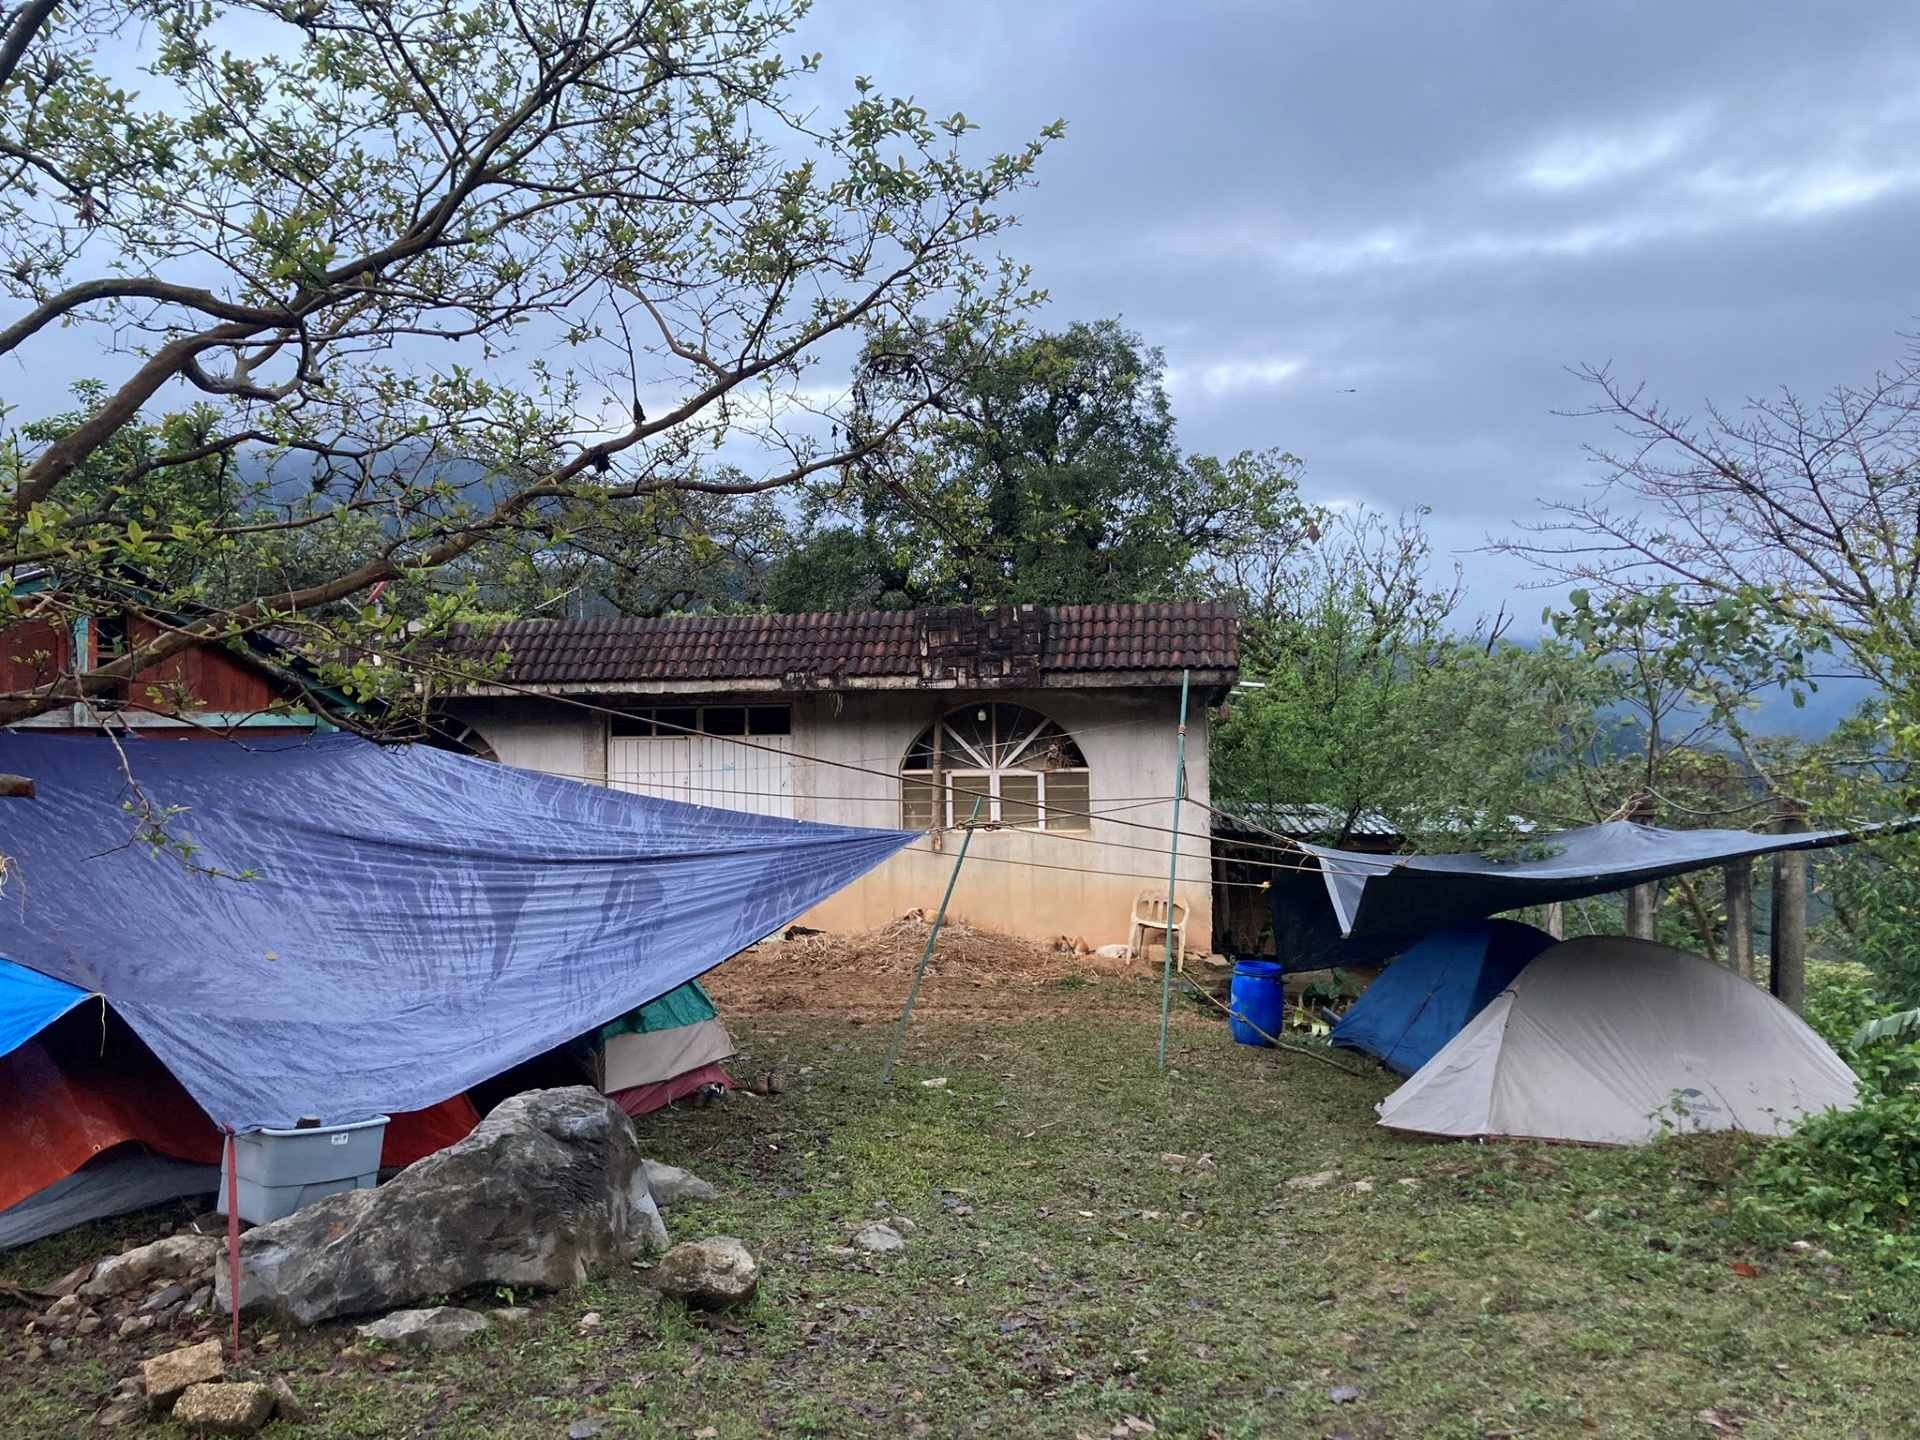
(1438, 207)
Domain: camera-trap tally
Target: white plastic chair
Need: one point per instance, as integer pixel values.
(1150, 914)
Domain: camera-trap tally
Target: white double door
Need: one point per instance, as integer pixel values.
(706, 770)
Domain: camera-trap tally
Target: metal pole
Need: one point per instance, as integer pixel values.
(1173, 865)
(920, 971)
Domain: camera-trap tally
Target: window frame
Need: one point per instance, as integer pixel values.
(955, 803)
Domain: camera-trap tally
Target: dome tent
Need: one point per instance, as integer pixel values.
(1424, 998)
(1608, 1041)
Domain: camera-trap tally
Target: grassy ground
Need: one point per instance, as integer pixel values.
(1065, 1279)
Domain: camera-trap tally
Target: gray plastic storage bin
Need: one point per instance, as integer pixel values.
(281, 1170)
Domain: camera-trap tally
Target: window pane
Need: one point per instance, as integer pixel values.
(920, 753)
(916, 805)
(1019, 798)
(638, 723)
(964, 788)
(1069, 791)
(770, 720)
(678, 720)
(724, 720)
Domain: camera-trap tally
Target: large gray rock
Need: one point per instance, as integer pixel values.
(545, 1190)
(713, 1273)
(441, 1328)
(670, 1185)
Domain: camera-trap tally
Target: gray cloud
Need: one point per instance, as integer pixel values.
(1440, 208)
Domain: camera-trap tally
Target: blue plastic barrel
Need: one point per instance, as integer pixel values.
(1260, 994)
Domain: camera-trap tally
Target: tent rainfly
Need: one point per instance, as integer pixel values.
(1610, 1041)
(1422, 999)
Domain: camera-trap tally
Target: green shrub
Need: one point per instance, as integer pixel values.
(1840, 999)
(1852, 1176)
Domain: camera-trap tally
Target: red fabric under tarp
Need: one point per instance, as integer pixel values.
(640, 1099)
(62, 1102)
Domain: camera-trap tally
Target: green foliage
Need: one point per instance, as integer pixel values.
(1850, 1176)
(425, 271)
(1841, 997)
(1365, 697)
(1051, 476)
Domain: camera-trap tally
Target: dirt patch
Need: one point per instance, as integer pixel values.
(872, 970)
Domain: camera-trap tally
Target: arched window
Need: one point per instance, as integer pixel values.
(459, 737)
(1028, 768)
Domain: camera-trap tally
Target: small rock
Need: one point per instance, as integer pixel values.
(166, 1376)
(225, 1408)
(176, 1257)
(1803, 1246)
(121, 1410)
(591, 1321)
(1364, 1187)
(173, 1294)
(1319, 1180)
(88, 1324)
(440, 1328)
(286, 1404)
(1408, 1181)
(510, 1315)
(903, 1224)
(644, 1224)
(1174, 1162)
(135, 1326)
(584, 1429)
(1343, 1394)
(63, 1312)
(57, 1345)
(877, 1237)
(670, 1185)
(715, 1272)
(1205, 1165)
(198, 1301)
(72, 1280)
(937, 1083)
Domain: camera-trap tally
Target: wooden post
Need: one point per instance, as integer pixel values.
(1789, 979)
(1556, 918)
(1739, 879)
(1643, 901)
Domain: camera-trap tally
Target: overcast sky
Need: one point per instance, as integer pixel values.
(1441, 206)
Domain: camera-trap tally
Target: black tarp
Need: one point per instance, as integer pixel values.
(1382, 898)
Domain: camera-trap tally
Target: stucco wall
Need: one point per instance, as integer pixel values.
(1024, 882)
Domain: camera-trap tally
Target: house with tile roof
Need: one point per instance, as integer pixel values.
(1060, 721)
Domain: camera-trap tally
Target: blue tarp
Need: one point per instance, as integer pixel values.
(29, 1002)
(1377, 897)
(417, 921)
(1427, 996)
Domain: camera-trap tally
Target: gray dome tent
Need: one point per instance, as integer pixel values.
(1607, 1041)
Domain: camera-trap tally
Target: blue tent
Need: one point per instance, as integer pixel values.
(1427, 996)
(361, 930)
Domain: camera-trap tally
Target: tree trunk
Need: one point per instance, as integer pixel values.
(1789, 982)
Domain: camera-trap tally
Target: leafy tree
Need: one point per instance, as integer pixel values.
(1367, 698)
(1047, 473)
(437, 279)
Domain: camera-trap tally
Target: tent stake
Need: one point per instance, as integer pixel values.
(1173, 865)
(939, 918)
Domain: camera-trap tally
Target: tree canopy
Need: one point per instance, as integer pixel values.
(1049, 474)
(430, 279)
